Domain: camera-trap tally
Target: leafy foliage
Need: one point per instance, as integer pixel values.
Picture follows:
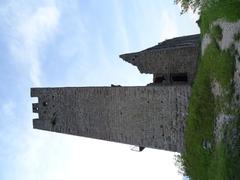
(188, 4)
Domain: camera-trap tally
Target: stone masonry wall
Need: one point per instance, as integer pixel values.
(143, 116)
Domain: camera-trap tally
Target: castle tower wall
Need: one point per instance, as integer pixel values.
(166, 61)
(168, 58)
(152, 116)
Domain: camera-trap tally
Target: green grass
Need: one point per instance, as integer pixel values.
(227, 9)
(216, 33)
(225, 160)
(222, 161)
(203, 108)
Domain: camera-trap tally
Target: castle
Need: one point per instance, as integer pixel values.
(146, 116)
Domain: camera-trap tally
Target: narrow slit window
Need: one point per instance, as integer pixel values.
(179, 77)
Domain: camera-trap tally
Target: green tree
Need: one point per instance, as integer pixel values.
(188, 4)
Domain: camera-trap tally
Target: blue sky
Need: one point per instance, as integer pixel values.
(76, 43)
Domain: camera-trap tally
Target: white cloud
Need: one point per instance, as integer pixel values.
(88, 159)
(27, 28)
(31, 31)
(8, 108)
(193, 16)
(169, 27)
(190, 17)
(121, 26)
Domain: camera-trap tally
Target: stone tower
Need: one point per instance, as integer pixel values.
(146, 116)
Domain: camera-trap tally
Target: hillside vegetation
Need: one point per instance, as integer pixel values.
(212, 133)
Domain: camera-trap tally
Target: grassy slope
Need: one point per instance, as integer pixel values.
(221, 161)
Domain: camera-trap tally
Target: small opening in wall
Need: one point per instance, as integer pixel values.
(179, 77)
(53, 122)
(237, 97)
(159, 79)
(35, 109)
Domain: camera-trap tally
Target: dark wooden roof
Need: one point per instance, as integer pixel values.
(191, 40)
